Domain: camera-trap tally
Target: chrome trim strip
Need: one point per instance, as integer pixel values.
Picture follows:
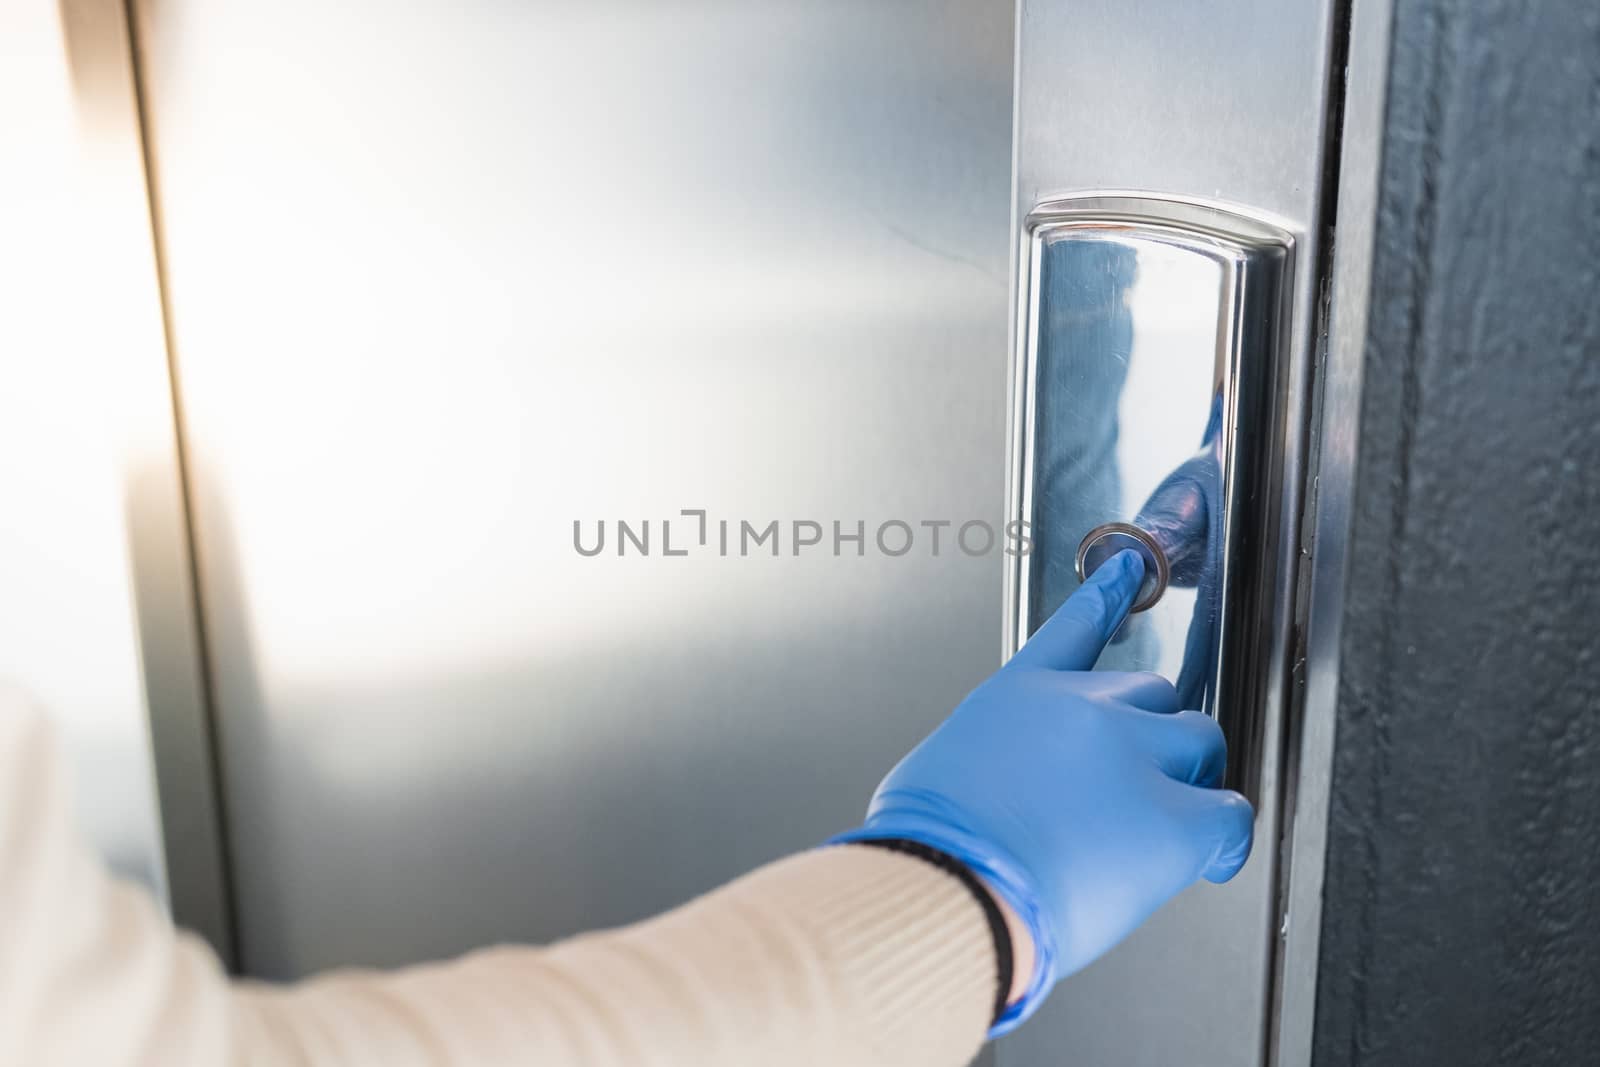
(1306, 822)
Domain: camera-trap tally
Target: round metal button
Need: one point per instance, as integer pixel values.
(1106, 540)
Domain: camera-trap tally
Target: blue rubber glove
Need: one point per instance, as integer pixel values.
(1086, 799)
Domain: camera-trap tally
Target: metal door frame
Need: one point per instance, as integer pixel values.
(103, 54)
(1329, 324)
(1336, 436)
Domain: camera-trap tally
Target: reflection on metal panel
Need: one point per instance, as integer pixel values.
(1222, 103)
(447, 279)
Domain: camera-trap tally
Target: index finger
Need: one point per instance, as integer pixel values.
(1077, 633)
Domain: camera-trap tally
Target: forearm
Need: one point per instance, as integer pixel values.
(846, 956)
(90, 970)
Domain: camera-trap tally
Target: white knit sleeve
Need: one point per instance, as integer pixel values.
(847, 957)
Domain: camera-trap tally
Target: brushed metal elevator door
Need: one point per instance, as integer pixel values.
(444, 278)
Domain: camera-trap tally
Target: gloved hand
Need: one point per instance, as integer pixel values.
(1086, 799)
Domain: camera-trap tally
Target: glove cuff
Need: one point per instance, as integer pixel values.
(1004, 876)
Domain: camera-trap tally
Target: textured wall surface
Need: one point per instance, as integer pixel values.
(1462, 916)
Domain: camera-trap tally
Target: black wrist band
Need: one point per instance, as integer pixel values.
(1004, 962)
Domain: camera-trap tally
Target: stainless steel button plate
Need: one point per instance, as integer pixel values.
(1147, 393)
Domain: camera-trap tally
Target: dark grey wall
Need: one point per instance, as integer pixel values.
(1462, 915)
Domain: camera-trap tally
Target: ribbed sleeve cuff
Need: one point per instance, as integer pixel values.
(1001, 875)
(907, 943)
